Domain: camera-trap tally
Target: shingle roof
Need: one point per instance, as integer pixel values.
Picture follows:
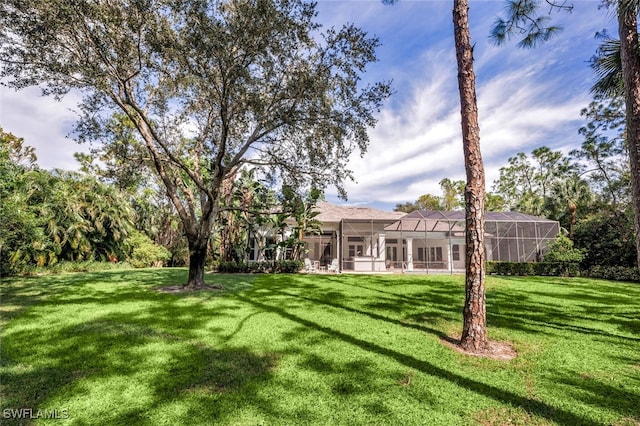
(335, 213)
(453, 221)
(489, 216)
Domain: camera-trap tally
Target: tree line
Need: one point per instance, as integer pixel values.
(112, 212)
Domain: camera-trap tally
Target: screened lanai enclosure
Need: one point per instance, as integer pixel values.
(367, 240)
(362, 239)
(430, 240)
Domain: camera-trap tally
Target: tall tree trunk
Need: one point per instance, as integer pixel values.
(197, 259)
(629, 51)
(474, 331)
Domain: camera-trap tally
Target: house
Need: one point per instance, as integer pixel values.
(365, 239)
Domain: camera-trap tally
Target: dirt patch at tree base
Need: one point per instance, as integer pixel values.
(184, 289)
(495, 350)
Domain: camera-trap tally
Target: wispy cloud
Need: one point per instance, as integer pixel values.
(526, 99)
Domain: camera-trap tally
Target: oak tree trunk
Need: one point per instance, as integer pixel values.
(474, 331)
(630, 54)
(197, 260)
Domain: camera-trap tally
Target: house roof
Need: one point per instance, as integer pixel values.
(335, 213)
(453, 221)
(489, 216)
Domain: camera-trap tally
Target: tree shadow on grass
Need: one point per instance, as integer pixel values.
(504, 396)
(593, 391)
(373, 315)
(100, 336)
(107, 361)
(506, 311)
(416, 310)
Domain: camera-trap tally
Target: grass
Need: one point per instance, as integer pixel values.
(316, 349)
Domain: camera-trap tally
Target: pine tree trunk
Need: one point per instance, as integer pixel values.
(628, 29)
(474, 331)
(197, 259)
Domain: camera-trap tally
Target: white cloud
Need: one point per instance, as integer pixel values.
(418, 143)
(44, 124)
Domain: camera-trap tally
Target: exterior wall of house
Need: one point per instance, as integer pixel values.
(363, 244)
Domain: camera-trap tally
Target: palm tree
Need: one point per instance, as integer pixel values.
(630, 59)
(566, 198)
(607, 66)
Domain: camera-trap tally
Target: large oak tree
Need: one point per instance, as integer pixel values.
(210, 86)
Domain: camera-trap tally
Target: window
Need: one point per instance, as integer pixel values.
(421, 254)
(392, 253)
(435, 254)
(356, 250)
(455, 251)
(252, 248)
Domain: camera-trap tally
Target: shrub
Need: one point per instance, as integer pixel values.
(288, 266)
(563, 251)
(615, 273)
(558, 269)
(146, 253)
(233, 267)
(81, 266)
(277, 267)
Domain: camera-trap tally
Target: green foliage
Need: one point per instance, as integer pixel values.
(276, 267)
(145, 253)
(526, 182)
(203, 88)
(494, 203)
(452, 194)
(48, 217)
(302, 209)
(288, 266)
(556, 269)
(452, 198)
(529, 21)
(64, 267)
(247, 206)
(561, 250)
(608, 239)
(234, 267)
(510, 268)
(614, 273)
(603, 155)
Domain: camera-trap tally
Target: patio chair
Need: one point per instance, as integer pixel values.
(308, 266)
(334, 267)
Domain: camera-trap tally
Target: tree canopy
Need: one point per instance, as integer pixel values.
(209, 86)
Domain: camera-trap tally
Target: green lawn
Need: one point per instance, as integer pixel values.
(323, 349)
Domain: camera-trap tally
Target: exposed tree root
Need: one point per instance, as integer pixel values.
(494, 350)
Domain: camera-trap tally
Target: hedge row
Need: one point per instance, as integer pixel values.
(616, 273)
(562, 269)
(277, 267)
(557, 269)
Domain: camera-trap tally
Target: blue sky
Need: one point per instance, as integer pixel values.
(526, 98)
